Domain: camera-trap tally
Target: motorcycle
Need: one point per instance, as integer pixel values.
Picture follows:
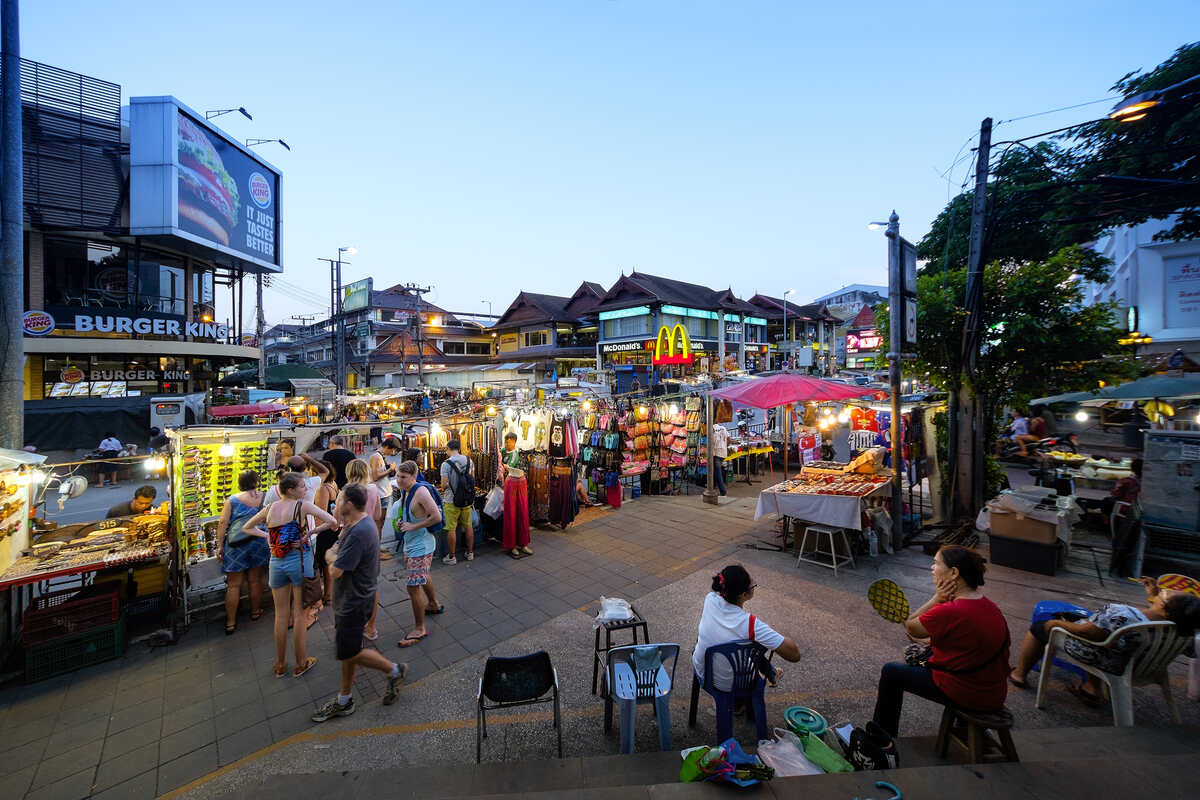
(1011, 451)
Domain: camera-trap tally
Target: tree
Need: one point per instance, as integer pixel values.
(1039, 338)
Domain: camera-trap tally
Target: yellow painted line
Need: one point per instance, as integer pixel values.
(679, 705)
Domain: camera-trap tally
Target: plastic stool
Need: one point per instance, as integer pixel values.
(834, 559)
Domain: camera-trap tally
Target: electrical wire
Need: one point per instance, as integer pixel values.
(1056, 110)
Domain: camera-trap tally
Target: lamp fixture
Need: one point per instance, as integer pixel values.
(226, 448)
(218, 112)
(253, 142)
(1081, 416)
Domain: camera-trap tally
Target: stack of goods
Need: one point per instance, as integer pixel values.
(600, 441)
(196, 500)
(12, 507)
(673, 439)
(110, 543)
(846, 485)
(641, 435)
(692, 423)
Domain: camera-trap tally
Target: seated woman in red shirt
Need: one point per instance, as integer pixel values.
(969, 638)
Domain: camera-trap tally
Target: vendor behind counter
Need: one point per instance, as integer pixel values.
(141, 503)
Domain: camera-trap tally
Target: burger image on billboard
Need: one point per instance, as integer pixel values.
(208, 194)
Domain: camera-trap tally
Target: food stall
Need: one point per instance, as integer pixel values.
(828, 492)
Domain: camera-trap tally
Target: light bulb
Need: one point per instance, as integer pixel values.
(1081, 416)
(587, 405)
(226, 448)
(491, 411)
(38, 476)
(23, 478)
(844, 417)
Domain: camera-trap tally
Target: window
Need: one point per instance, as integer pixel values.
(454, 348)
(479, 348)
(535, 338)
(626, 326)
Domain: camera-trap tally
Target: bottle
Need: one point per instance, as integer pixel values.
(872, 542)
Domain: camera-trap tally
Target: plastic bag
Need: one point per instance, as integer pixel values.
(494, 506)
(786, 756)
(822, 754)
(612, 609)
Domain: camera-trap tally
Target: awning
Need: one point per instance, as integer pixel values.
(247, 410)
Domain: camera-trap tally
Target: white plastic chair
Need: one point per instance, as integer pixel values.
(1158, 645)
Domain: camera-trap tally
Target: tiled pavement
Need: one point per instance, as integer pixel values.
(159, 718)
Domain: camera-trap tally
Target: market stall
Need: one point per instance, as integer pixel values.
(828, 493)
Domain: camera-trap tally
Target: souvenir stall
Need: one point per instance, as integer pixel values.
(551, 451)
(73, 588)
(664, 445)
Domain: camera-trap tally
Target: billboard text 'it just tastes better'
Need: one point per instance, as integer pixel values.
(224, 196)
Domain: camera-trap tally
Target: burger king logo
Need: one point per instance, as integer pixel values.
(71, 375)
(260, 190)
(38, 323)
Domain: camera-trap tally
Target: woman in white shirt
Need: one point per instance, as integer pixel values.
(725, 619)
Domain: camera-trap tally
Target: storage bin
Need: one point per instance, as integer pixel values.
(58, 614)
(1022, 554)
(75, 651)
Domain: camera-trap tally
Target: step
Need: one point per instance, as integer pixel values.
(1051, 753)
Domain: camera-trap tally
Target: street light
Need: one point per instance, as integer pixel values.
(218, 112)
(489, 305)
(1134, 108)
(253, 142)
(785, 328)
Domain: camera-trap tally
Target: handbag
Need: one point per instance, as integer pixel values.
(312, 590)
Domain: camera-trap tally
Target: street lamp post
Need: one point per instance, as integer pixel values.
(785, 327)
(339, 321)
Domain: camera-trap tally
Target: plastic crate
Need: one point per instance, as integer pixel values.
(75, 651)
(152, 606)
(58, 614)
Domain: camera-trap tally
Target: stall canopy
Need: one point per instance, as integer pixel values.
(786, 388)
(247, 410)
(1153, 386)
(277, 376)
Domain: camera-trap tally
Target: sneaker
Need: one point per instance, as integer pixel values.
(394, 684)
(470, 555)
(872, 748)
(333, 709)
(449, 561)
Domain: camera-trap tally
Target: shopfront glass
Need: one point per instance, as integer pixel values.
(91, 274)
(96, 376)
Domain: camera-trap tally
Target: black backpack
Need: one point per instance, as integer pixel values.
(463, 489)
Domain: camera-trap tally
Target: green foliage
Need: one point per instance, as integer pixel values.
(1038, 337)
(995, 476)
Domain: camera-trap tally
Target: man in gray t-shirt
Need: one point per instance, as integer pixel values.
(458, 497)
(354, 566)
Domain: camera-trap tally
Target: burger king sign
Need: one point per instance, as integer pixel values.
(37, 323)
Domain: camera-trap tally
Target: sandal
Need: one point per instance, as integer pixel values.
(256, 614)
(280, 670)
(441, 607)
(1017, 683)
(370, 637)
(410, 639)
(305, 667)
(230, 630)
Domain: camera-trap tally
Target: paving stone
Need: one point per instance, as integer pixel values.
(238, 719)
(71, 787)
(134, 715)
(144, 785)
(243, 742)
(18, 758)
(292, 722)
(121, 768)
(173, 774)
(78, 734)
(478, 642)
(295, 695)
(532, 618)
(448, 654)
(15, 784)
(118, 744)
(59, 764)
(186, 716)
(20, 735)
(241, 694)
(185, 741)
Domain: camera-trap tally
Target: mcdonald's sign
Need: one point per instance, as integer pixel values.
(672, 346)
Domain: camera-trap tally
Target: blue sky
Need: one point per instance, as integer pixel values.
(493, 146)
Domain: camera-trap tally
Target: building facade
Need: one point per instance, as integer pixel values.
(1155, 286)
(130, 242)
(721, 330)
(800, 336)
(557, 333)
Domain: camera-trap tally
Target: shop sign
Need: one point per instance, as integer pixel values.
(37, 323)
(146, 325)
(1182, 278)
(863, 340)
(568, 383)
(140, 375)
(357, 294)
(623, 347)
(672, 346)
(70, 375)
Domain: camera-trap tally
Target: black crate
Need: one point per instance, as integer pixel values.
(72, 652)
(1021, 554)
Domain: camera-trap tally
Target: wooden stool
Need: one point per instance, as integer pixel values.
(828, 532)
(978, 745)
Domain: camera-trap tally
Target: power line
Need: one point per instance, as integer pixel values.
(1056, 110)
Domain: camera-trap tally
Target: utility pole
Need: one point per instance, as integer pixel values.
(895, 359)
(967, 445)
(338, 319)
(418, 291)
(12, 223)
(259, 324)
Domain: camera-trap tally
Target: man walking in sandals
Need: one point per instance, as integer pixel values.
(411, 516)
(354, 567)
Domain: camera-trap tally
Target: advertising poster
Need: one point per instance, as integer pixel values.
(1182, 291)
(225, 196)
(357, 295)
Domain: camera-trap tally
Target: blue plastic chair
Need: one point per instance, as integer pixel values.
(748, 685)
(640, 674)
(1047, 609)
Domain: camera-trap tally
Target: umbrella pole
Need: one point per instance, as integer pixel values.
(787, 437)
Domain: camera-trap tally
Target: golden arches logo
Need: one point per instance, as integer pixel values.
(670, 354)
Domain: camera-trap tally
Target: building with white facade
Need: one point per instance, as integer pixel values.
(1155, 284)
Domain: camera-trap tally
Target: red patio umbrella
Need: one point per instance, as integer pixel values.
(250, 410)
(785, 389)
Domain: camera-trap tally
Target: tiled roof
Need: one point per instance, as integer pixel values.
(639, 287)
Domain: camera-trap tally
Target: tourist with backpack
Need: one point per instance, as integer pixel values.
(415, 518)
(458, 478)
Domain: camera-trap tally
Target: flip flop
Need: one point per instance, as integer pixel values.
(1017, 683)
(305, 667)
(369, 637)
(1087, 698)
(441, 607)
(410, 640)
(256, 614)
(280, 670)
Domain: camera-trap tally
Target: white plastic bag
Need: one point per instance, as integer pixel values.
(494, 506)
(612, 609)
(786, 756)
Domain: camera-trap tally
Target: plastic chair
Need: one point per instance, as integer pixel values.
(1146, 662)
(638, 674)
(748, 684)
(510, 682)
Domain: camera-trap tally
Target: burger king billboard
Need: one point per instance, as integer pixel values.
(189, 179)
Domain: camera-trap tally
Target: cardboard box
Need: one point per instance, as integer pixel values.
(1009, 525)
